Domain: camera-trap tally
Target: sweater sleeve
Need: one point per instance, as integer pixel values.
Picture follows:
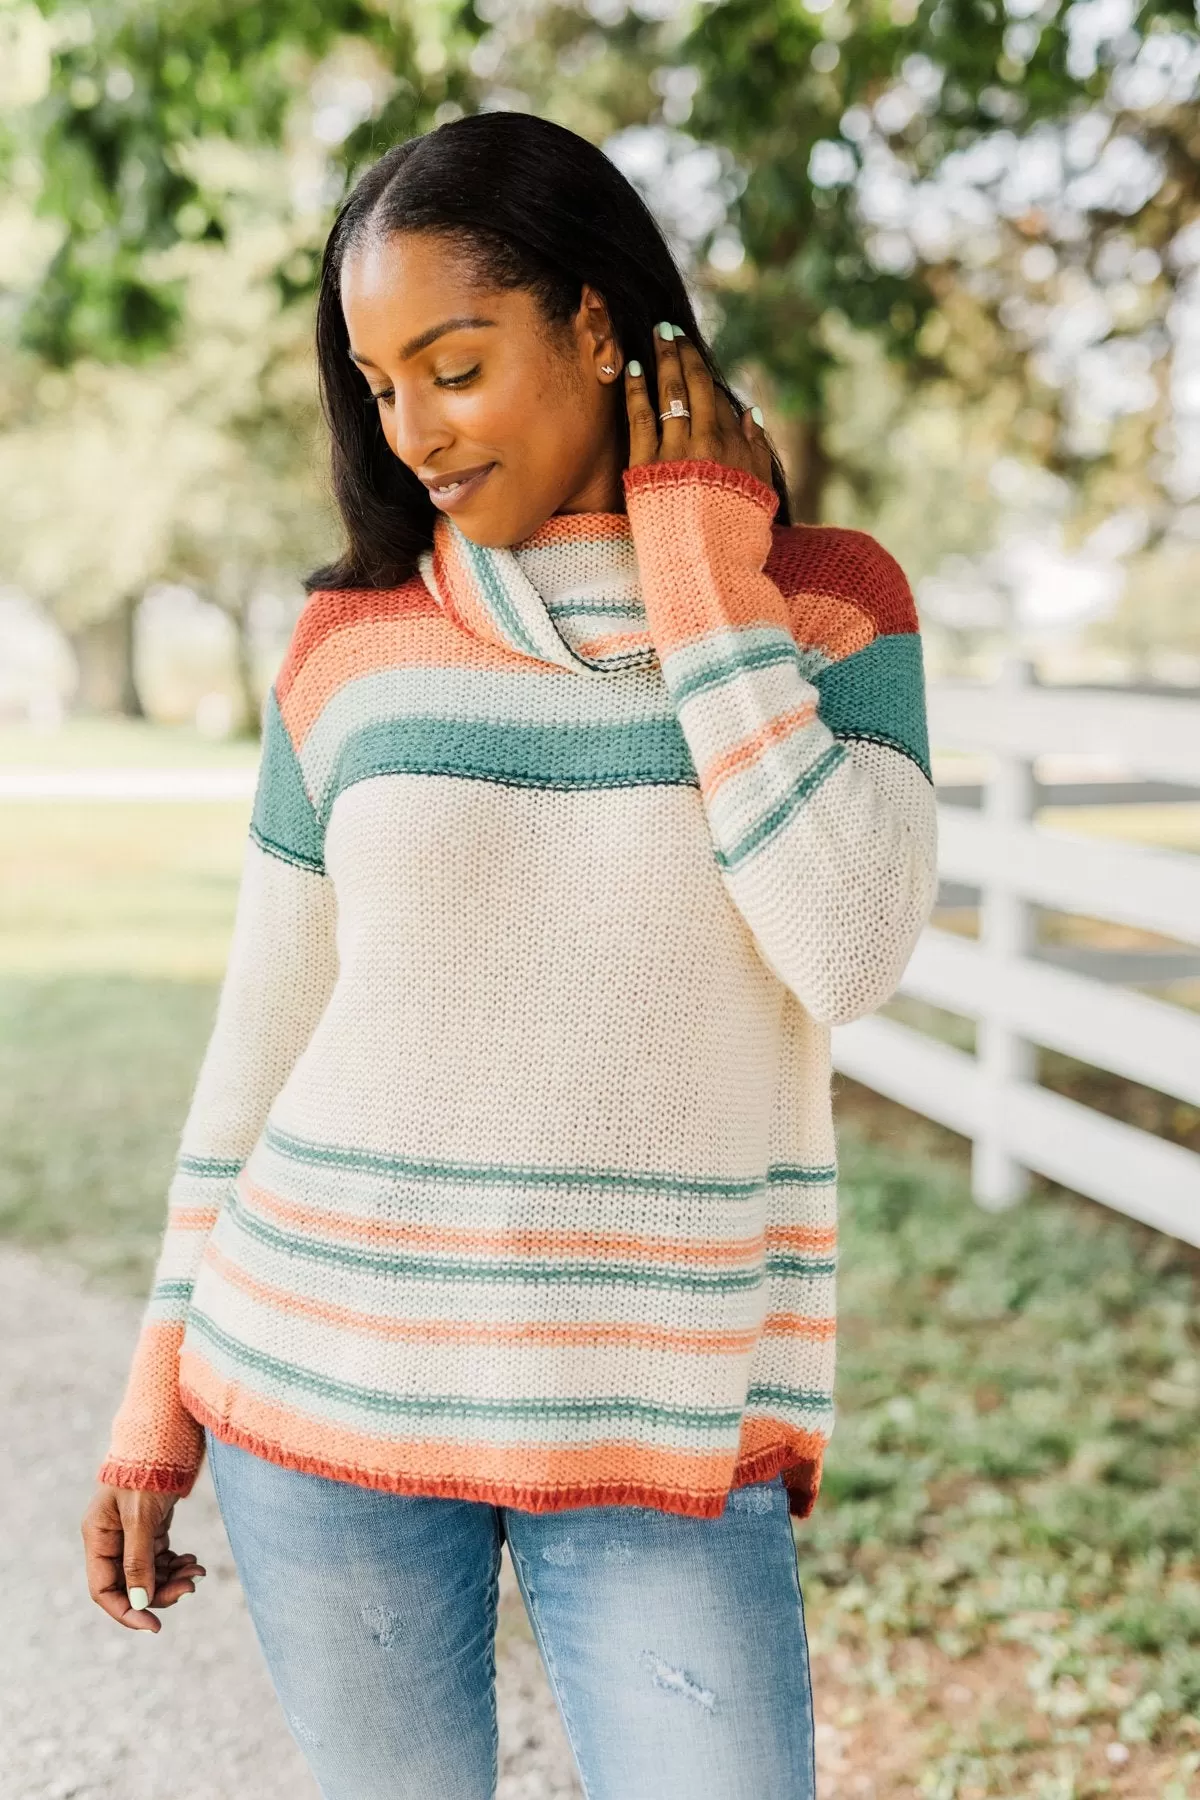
(806, 724)
(280, 973)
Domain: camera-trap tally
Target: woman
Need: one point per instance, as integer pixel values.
(593, 791)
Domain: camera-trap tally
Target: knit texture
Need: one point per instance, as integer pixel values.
(510, 1171)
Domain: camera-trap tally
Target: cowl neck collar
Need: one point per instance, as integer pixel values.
(570, 594)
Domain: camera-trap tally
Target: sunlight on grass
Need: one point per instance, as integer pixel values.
(119, 889)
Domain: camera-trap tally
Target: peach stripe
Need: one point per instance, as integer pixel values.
(571, 528)
(408, 641)
(524, 1241)
(742, 755)
(565, 1474)
(452, 1331)
(805, 1325)
(151, 1428)
(802, 1237)
(838, 629)
(193, 1218)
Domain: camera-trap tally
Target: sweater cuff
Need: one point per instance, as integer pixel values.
(155, 1443)
(148, 1479)
(701, 472)
(702, 533)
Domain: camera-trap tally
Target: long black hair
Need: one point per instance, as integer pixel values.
(533, 206)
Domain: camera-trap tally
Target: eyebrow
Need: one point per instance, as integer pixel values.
(427, 337)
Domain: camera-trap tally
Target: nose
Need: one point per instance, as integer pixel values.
(415, 432)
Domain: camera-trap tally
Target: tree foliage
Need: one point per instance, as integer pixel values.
(131, 86)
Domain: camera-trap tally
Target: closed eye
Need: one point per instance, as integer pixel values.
(385, 396)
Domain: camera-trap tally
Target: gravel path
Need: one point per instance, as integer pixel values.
(91, 1712)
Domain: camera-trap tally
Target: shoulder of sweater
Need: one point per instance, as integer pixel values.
(834, 563)
(328, 611)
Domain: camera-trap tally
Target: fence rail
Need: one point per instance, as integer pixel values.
(1017, 998)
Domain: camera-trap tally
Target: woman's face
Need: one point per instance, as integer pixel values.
(469, 379)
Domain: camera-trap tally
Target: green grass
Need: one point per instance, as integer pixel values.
(95, 1076)
(1014, 1471)
(1015, 1457)
(119, 888)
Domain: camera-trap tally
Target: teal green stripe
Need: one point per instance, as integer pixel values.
(767, 1394)
(878, 694)
(559, 1273)
(496, 597)
(527, 1174)
(380, 1401)
(630, 754)
(721, 669)
(283, 821)
(780, 813)
(172, 1290)
(625, 609)
(782, 1172)
(799, 1265)
(211, 1167)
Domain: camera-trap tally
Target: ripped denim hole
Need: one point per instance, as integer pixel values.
(751, 1499)
(383, 1624)
(678, 1683)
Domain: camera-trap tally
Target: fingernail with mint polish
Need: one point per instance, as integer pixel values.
(666, 330)
(635, 368)
(139, 1599)
(756, 414)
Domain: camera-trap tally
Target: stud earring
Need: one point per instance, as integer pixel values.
(607, 369)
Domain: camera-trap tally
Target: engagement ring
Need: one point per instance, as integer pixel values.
(677, 410)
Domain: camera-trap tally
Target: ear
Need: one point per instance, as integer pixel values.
(601, 343)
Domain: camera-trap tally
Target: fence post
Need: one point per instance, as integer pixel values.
(1006, 932)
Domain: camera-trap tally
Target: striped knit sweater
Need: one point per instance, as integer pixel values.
(510, 1169)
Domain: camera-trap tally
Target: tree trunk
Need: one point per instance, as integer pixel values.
(104, 654)
(808, 467)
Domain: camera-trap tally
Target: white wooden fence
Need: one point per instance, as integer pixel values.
(1018, 999)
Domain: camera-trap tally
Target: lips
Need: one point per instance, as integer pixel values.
(459, 487)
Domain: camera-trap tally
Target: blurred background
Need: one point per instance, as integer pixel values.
(953, 249)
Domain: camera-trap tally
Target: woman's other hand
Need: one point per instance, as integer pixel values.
(128, 1553)
(714, 430)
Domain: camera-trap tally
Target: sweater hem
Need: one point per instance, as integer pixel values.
(801, 1488)
(152, 1478)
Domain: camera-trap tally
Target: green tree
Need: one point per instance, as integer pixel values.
(172, 168)
(874, 154)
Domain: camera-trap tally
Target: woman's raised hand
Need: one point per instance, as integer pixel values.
(127, 1548)
(713, 431)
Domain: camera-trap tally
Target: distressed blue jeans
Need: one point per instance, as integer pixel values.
(675, 1647)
